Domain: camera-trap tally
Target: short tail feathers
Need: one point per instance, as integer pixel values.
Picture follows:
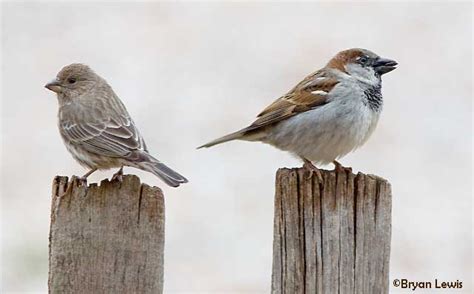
(163, 172)
(230, 137)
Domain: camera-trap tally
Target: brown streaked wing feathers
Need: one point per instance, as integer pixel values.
(298, 100)
(109, 138)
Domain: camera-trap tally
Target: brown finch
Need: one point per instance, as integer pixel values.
(328, 114)
(97, 129)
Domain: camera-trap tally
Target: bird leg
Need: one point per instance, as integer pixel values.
(312, 169)
(118, 175)
(340, 168)
(83, 179)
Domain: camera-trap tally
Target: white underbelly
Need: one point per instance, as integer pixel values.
(325, 133)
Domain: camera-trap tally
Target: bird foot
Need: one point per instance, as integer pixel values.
(312, 170)
(118, 175)
(82, 181)
(340, 168)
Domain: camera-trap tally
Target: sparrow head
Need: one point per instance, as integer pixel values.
(361, 64)
(73, 80)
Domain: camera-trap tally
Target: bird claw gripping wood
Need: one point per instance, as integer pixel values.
(312, 169)
(340, 168)
(82, 181)
(118, 175)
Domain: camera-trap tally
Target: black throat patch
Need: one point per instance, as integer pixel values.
(373, 96)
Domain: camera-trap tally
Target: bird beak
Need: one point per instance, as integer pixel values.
(54, 86)
(384, 65)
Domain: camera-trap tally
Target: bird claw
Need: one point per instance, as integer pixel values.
(312, 170)
(340, 168)
(118, 175)
(82, 181)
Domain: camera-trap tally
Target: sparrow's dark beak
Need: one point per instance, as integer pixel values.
(384, 65)
(54, 86)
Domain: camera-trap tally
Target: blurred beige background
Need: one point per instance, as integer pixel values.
(190, 72)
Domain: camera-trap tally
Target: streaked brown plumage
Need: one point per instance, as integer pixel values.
(97, 129)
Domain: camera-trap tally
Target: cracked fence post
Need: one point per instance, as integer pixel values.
(107, 238)
(331, 237)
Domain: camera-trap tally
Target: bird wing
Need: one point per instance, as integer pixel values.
(113, 136)
(308, 94)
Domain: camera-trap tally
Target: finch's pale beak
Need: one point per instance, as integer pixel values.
(384, 65)
(54, 86)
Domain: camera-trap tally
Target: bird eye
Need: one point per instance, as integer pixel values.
(71, 80)
(363, 59)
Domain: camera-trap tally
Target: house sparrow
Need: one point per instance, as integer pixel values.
(97, 129)
(328, 114)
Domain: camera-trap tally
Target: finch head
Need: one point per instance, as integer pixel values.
(73, 80)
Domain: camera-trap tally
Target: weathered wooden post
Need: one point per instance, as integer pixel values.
(107, 238)
(331, 237)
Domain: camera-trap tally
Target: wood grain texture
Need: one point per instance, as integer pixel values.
(107, 238)
(333, 236)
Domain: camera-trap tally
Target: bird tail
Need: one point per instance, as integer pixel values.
(230, 137)
(159, 169)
